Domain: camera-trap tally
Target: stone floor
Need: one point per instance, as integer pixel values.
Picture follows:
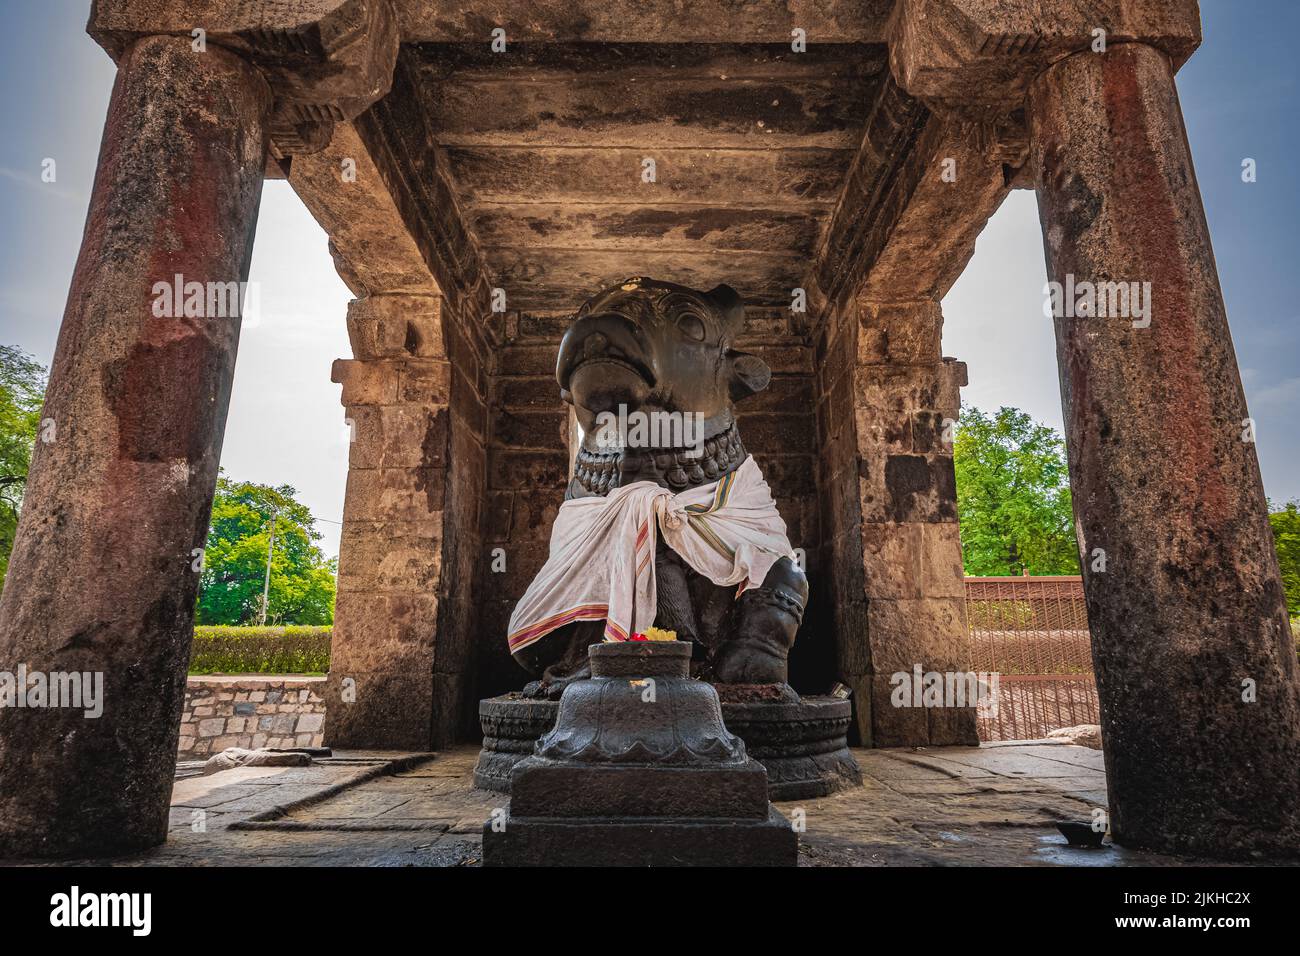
(966, 806)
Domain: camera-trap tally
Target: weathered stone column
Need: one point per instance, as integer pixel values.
(905, 398)
(889, 497)
(103, 575)
(396, 390)
(1196, 668)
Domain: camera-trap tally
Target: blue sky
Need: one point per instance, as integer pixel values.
(1240, 99)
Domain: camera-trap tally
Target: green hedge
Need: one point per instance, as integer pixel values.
(226, 649)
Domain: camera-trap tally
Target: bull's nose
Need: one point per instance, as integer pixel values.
(595, 344)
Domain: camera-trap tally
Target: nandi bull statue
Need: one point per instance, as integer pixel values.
(667, 521)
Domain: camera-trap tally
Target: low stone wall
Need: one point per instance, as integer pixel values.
(250, 711)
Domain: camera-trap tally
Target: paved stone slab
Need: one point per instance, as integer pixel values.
(936, 806)
(922, 765)
(1008, 763)
(1077, 756)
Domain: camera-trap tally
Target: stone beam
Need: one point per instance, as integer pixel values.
(919, 192)
(986, 52)
(373, 249)
(404, 151)
(325, 60)
(645, 21)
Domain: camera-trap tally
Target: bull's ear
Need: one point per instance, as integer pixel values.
(729, 306)
(749, 374)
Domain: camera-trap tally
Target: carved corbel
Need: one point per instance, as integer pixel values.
(325, 61)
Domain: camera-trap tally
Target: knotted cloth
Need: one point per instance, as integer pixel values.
(601, 564)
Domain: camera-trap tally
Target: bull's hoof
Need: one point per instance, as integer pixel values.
(551, 688)
(747, 662)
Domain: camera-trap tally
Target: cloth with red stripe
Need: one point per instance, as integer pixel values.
(601, 564)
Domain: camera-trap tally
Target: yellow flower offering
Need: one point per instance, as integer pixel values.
(659, 634)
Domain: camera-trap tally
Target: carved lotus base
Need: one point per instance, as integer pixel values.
(802, 745)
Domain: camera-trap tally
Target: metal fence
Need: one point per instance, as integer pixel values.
(1033, 633)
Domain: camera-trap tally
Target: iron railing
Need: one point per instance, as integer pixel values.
(1032, 633)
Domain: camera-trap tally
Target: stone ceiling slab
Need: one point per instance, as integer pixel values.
(546, 147)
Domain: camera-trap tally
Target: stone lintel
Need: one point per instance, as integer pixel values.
(963, 168)
(373, 249)
(397, 134)
(644, 21)
(916, 198)
(987, 52)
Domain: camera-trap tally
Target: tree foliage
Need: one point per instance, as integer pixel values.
(1013, 495)
(234, 562)
(1286, 531)
(22, 391)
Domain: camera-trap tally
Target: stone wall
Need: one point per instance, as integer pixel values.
(528, 469)
(455, 682)
(779, 428)
(250, 712)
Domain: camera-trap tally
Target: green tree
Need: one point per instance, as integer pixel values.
(22, 391)
(234, 562)
(1013, 495)
(1286, 531)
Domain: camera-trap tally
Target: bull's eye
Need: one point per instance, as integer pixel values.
(690, 326)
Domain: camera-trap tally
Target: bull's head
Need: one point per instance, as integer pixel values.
(653, 346)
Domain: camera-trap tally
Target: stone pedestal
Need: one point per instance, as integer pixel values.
(512, 725)
(639, 771)
(803, 746)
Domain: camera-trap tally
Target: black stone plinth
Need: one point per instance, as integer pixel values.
(641, 842)
(639, 770)
(803, 745)
(511, 726)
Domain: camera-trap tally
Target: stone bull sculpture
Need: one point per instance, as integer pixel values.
(649, 350)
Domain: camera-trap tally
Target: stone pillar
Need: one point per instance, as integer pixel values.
(102, 579)
(1196, 668)
(396, 390)
(890, 512)
(905, 397)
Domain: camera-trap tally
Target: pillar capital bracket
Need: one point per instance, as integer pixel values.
(325, 61)
(984, 53)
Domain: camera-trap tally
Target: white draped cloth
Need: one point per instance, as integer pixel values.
(601, 565)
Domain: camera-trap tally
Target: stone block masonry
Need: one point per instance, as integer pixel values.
(250, 712)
